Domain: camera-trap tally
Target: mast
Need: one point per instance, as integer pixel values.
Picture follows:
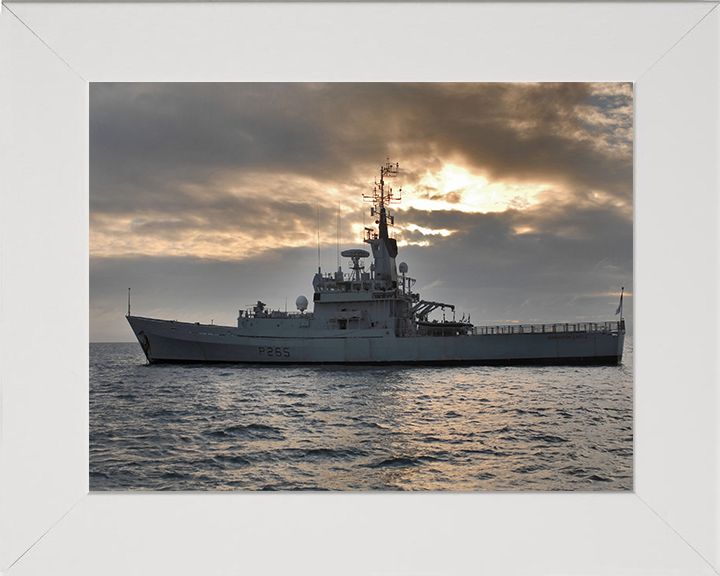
(384, 248)
(382, 197)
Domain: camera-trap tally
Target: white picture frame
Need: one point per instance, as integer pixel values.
(49, 523)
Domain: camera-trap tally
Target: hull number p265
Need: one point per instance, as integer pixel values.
(269, 351)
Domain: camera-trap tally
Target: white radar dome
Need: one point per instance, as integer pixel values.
(301, 303)
(403, 268)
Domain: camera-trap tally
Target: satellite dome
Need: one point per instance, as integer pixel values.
(403, 268)
(301, 303)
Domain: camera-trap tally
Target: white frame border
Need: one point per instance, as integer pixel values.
(49, 522)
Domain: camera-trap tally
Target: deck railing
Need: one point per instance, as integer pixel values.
(548, 328)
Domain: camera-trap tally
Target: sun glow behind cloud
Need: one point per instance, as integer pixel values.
(457, 188)
(428, 231)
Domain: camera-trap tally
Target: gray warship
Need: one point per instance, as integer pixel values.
(373, 316)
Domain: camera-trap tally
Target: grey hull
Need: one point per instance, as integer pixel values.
(177, 342)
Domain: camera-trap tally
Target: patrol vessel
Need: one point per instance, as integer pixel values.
(373, 316)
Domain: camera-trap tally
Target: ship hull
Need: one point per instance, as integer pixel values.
(166, 341)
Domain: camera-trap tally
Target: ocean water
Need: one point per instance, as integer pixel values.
(247, 427)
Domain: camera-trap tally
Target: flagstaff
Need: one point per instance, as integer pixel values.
(620, 307)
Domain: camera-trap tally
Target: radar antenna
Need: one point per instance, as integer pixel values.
(355, 256)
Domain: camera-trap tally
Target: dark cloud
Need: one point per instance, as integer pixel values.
(563, 272)
(151, 135)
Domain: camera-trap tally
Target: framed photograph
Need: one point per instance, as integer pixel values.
(50, 53)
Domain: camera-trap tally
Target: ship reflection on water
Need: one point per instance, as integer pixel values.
(211, 427)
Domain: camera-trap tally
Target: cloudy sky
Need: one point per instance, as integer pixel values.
(517, 199)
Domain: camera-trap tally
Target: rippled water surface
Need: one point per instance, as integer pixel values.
(207, 427)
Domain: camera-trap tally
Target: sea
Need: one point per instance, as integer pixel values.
(356, 428)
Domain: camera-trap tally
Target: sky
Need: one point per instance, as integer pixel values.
(516, 199)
